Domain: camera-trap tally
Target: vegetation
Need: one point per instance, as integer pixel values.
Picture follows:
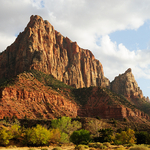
(49, 80)
(80, 137)
(139, 147)
(66, 130)
(125, 137)
(66, 127)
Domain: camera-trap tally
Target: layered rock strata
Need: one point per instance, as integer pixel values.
(30, 98)
(105, 105)
(41, 47)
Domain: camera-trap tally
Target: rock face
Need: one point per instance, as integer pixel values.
(28, 97)
(126, 85)
(106, 105)
(40, 47)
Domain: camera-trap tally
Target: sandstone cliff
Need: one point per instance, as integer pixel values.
(40, 47)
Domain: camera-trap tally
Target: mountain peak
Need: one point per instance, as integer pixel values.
(42, 48)
(128, 70)
(126, 85)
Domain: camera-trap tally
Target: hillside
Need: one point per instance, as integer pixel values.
(35, 94)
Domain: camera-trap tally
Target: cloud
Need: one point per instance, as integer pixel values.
(117, 58)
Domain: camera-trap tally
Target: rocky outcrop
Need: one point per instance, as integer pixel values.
(28, 97)
(108, 105)
(126, 85)
(40, 47)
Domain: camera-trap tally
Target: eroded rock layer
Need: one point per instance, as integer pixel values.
(28, 97)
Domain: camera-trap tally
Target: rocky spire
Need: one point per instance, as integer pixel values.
(126, 85)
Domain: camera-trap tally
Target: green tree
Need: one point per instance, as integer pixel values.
(80, 137)
(66, 127)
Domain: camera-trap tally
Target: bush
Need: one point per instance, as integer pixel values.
(105, 135)
(139, 147)
(55, 135)
(57, 148)
(5, 136)
(107, 144)
(37, 136)
(125, 137)
(142, 137)
(81, 147)
(15, 131)
(81, 136)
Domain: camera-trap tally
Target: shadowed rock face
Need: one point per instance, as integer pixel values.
(126, 85)
(40, 47)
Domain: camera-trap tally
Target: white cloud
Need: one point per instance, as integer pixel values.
(117, 58)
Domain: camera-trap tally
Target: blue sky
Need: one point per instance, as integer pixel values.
(133, 39)
(116, 31)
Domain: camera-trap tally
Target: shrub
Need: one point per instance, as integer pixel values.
(81, 147)
(107, 144)
(64, 138)
(5, 136)
(55, 135)
(125, 137)
(81, 136)
(44, 148)
(105, 135)
(139, 147)
(15, 131)
(142, 137)
(57, 148)
(37, 135)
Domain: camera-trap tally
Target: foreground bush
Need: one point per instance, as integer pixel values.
(5, 136)
(81, 147)
(142, 137)
(37, 136)
(80, 137)
(125, 137)
(139, 147)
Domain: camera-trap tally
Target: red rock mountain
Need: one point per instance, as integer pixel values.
(39, 47)
(42, 48)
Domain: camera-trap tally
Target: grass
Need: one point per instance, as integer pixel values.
(49, 80)
(6, 82)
